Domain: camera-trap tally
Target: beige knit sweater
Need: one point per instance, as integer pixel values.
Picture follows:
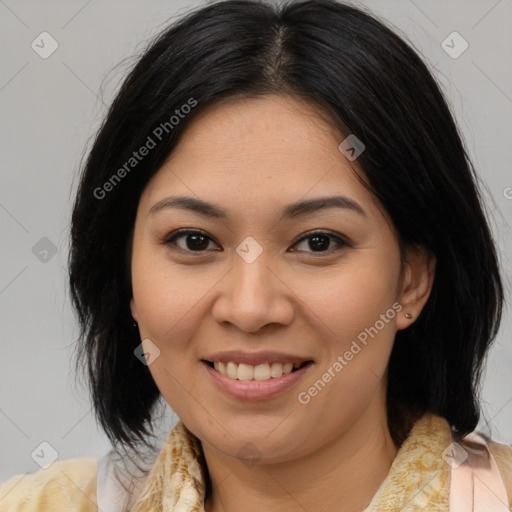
(419, 478)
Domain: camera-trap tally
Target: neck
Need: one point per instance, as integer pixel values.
(342, 476)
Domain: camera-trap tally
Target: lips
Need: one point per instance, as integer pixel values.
(255, 389)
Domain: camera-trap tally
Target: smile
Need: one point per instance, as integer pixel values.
(255, 382)
(264, 371)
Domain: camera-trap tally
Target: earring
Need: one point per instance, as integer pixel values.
(408, 315)
(135, 324)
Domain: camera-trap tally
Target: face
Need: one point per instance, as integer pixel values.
(266, 282)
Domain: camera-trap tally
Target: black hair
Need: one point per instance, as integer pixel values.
(371, 83)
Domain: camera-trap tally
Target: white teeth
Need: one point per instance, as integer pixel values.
(263, 371)
(245, 372)
(232, 370)
(276, 370)
(287, 367)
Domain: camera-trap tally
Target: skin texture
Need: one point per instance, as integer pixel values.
(253, 157)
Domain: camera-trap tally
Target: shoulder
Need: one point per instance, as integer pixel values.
(503, 455)
(68, 484)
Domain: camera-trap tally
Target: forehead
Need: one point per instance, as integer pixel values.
(271, 149)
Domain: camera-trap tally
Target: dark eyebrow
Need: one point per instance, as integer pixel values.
(293, 210)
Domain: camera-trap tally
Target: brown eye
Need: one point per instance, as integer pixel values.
(194, 241)
(320, 242)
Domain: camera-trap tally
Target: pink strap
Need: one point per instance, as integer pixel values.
(476, 484)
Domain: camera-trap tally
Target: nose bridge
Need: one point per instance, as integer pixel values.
(252, 295)
(252, 279)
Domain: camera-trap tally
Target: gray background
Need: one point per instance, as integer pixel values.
(49, 108)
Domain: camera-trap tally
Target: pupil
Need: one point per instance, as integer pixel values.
(198, 242)
(315, 244)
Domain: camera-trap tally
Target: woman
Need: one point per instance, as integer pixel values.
(278, 230)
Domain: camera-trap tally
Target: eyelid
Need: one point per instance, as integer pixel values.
(336, 236)
(340, 240)
(171, 237)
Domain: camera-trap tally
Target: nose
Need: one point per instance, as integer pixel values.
(253, 295)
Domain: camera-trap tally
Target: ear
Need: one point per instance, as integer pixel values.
(133, 308)
(417, 281)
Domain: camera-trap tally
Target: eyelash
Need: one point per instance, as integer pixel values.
(172, 237)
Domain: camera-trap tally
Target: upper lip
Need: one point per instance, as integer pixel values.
(253, 358)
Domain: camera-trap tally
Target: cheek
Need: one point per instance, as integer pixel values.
(354, 315)
(351, 297)
(162, 292)
(168, 308)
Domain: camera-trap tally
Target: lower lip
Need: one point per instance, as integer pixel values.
(256, 389)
